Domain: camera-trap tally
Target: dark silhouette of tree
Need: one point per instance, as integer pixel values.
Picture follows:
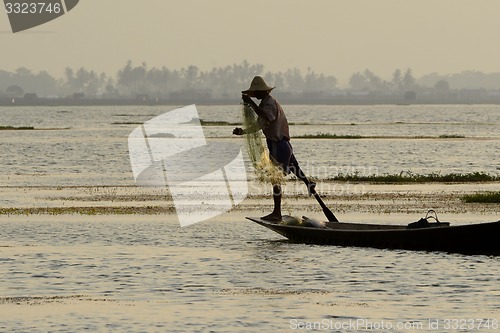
(228, 81)
(408, 82)
(70, 83)
(222, 81)
(376, 83)
(367, 81)
(84, 81)
(160, 80)
(397, 80)
(125, 78)
(442, 87)
(191, 76)
(41, 83)
(358, 82)
(5, 79)
(294, 80)
(14, 91)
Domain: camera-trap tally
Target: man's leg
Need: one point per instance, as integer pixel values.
(282, 151)
(295, 168)
(276, 214)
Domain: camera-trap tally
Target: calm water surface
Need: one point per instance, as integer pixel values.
(145, 273)
(88, 145)
(223, 276)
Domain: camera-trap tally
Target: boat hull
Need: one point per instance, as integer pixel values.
(483, 238)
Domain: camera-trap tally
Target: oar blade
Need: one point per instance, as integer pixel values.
(328, 213)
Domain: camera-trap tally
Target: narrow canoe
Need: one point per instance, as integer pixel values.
(480, 238)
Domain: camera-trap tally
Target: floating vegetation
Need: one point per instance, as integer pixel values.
(410, 177)
(162, 135)
(214, 123)
(192, 121)
(217, 123)
(227, 123)
(31, 128)
(349, 136)
(128, 123)
(14, 128)
(39, 300)
(482, 197)
(265, 170)
(328, 136)
(262, 291)
(96, 210)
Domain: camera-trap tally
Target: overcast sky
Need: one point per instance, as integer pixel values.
(336, 37)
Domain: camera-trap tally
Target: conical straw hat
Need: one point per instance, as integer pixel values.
(258, 84)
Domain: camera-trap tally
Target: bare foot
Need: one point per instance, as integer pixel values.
(272, 217)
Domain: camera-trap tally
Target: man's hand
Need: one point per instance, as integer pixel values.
(238, 131)
(247, 99)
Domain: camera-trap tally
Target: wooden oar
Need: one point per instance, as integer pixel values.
(328, 213)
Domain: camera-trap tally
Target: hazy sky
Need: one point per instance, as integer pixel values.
(336, 37)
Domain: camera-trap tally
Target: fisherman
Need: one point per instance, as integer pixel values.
(274, 125)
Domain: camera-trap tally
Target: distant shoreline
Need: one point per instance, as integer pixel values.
(132, 102)
(41, 101)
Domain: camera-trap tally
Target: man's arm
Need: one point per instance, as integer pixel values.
(258, 110)
(251, 129)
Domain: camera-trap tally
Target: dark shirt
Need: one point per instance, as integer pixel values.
(274, 123)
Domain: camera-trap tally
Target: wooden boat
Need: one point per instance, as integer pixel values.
(482, 238)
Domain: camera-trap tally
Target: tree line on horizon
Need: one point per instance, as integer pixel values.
(222, 82)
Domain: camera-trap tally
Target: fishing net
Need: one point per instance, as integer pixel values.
(265, 170)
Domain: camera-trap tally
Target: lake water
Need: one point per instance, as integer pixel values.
(88, 145)
(144, 273)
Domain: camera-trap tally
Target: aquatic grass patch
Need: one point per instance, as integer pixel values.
(351, 136)
(482, 197)
(202, 122)
(406, 177)
(41, 300)
(329, 136)
(127, 123)
(227, 123)
(31, 128)
(92, 210)
(217, 123)
(16, 128)
(451, 136)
